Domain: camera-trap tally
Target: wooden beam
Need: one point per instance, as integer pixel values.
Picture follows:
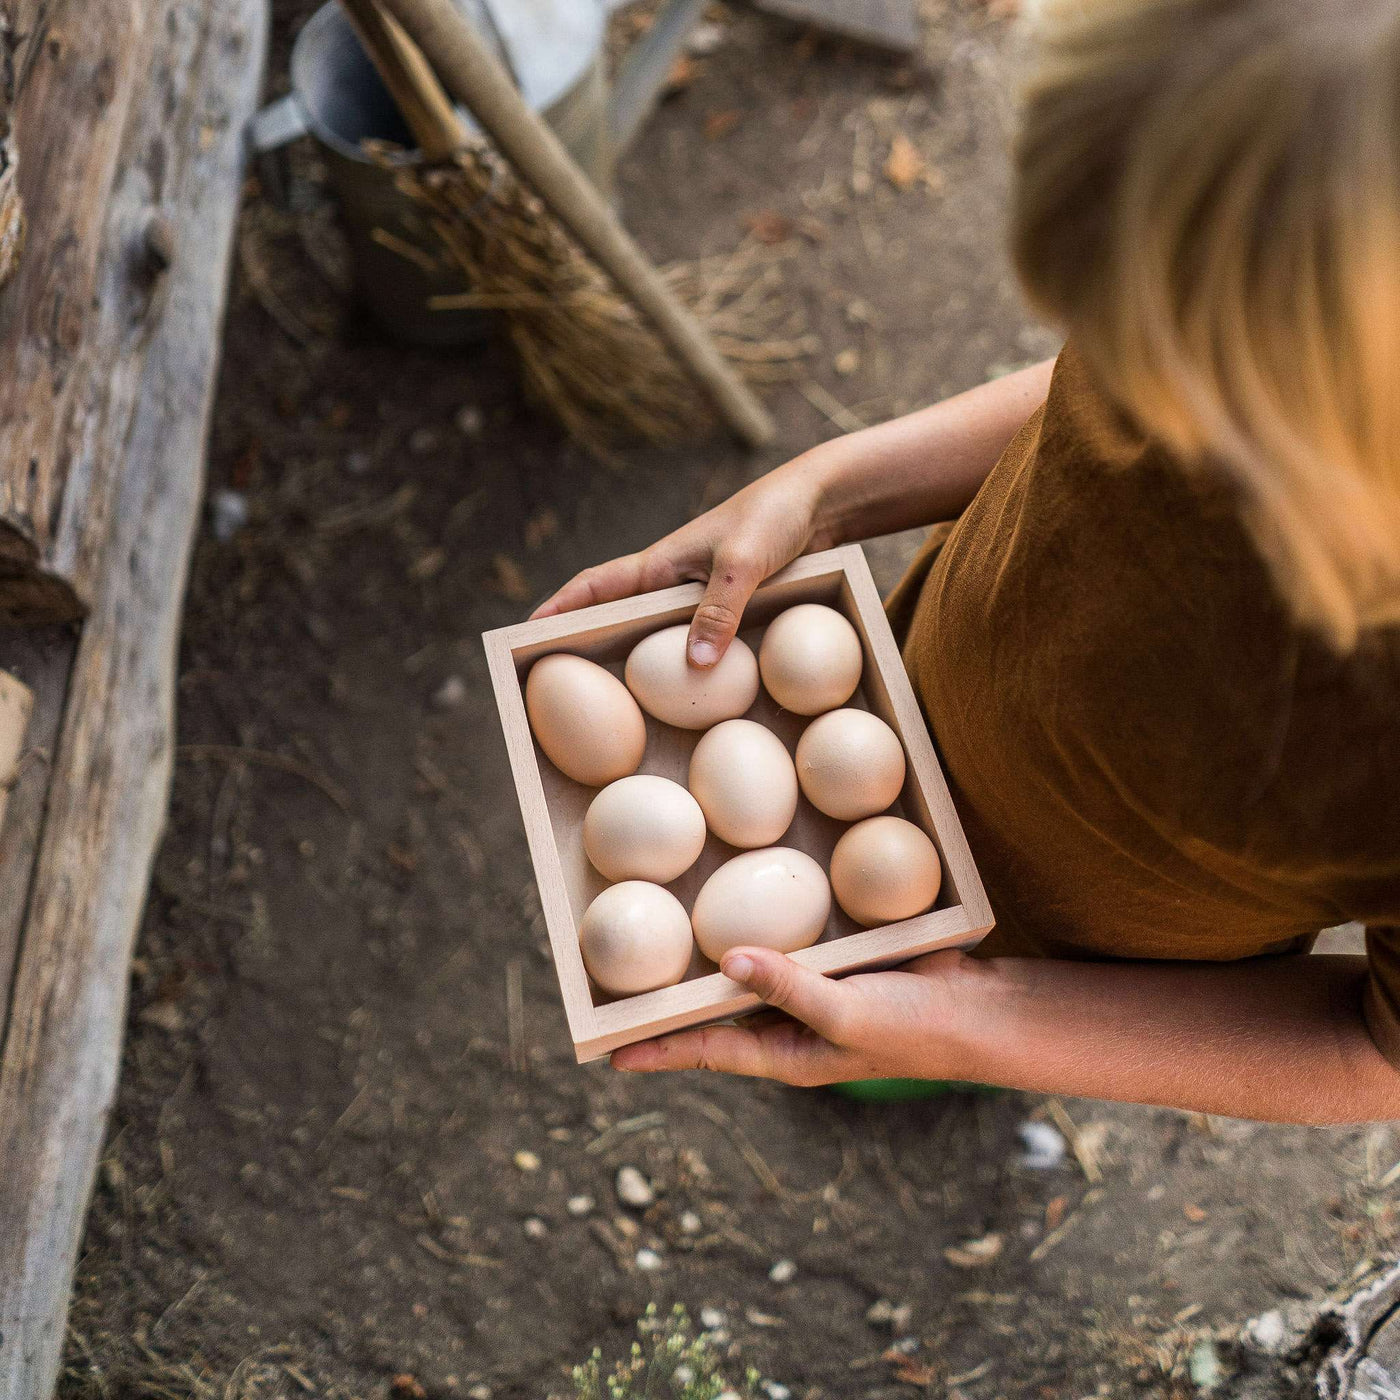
(130, 441)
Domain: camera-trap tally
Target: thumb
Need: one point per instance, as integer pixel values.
(815, 1000)
(716, 620)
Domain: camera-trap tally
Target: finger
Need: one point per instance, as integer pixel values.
(731, 585)
(603, 583)
(788, 1052)
(817, 1001)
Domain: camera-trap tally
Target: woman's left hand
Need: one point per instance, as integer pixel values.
(869, 1025)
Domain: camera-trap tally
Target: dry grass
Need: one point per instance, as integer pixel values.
(584, 350)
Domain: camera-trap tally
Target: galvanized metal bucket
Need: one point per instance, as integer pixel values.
(554, 49)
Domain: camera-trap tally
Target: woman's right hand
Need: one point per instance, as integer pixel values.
(731, 549)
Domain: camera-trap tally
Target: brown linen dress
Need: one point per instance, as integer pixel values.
(1150, 757)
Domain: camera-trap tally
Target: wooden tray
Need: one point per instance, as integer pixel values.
(553, 806)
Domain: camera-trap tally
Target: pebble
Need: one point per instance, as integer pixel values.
(1204, 1365)
(527, 1161)
(579, 1205)
(648, 1260)
(228, 513)
(879, 1312)
(451, 694)
(784, 1271)
(421, 441)
(633, 1189)
(704, 39)
(690, 1223)
(358, 462)
(479, 1392)
(470, 420)
(711, 1318)
(1044, 1144)
(774, 1391)
(1267, 1332)
(535, 1228)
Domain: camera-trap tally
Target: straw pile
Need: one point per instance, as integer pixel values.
(584, 350)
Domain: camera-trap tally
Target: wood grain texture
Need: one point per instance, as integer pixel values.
(75, 318)
(191, 72)
(553, 806)
(42, 658)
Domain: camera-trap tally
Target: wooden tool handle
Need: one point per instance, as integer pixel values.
(475, 77)
(413, 85)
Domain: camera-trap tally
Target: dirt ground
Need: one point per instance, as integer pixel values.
(329, 1165)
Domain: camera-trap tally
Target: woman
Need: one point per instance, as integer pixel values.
(1160, 647)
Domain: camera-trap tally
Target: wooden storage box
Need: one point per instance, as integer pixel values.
(553, 806)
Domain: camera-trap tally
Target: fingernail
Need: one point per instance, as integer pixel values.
(738, 969)
(703, 653)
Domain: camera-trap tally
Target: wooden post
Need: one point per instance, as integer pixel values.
(131, 121)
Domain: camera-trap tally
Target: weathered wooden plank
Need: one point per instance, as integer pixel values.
(142, 437)
(66, 317)
(40, 657)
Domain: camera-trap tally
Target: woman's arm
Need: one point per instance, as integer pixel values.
(911, 471)
(1281, 1039)
(878, 481)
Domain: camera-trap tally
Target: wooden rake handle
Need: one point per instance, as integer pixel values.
(476, 78)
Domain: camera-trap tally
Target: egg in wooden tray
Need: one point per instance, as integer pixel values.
(716, 822)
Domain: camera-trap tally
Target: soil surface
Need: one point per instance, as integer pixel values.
(330, 1164)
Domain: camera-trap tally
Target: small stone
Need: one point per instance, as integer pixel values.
(535, 1228)
(228, 513)
(1266, 1332)
(579, 1206)
(1044, 1145)
(358, 462)
(165, 1016)
(451, 694)
(690, 1223)
(711, 1318)
(422, 441)
(900, 1318)
(1204, 1365)
(704, 39)
(479, 1392)
(527, 1161)
(648, 1260)
(407, 1387)
(469, 420)
(633, 1189)
(774, 1391)
(846, 362)
(879, 1312)
(784, 1271)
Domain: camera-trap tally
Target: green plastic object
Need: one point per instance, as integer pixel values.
(906, 1090)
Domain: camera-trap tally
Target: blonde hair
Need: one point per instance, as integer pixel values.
(1208, 201)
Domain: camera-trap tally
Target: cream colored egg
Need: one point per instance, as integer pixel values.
(588, 725)
(775, 898)
(811, 659)
(850, 764)
(667, 686)
(885, 869)
(643, 828)
(743, 779)
(635, 937)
